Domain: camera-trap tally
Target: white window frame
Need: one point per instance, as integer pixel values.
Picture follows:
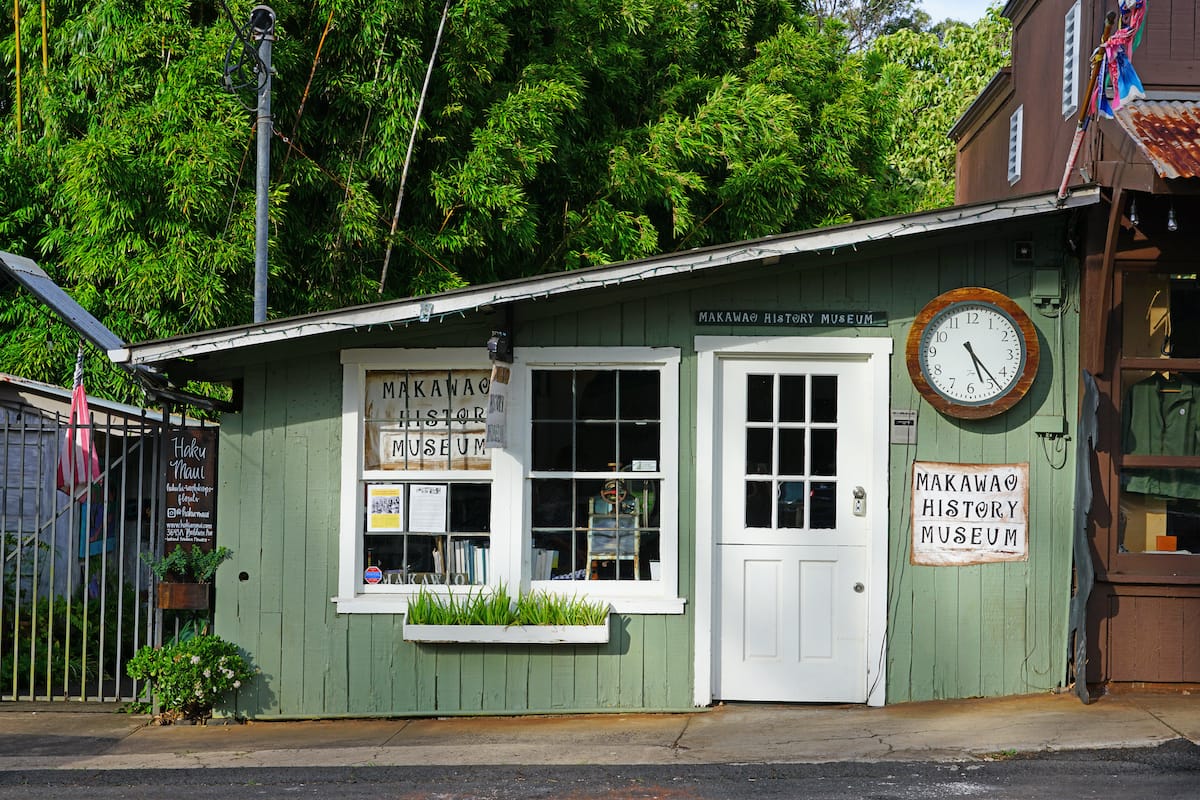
(353, 595)
(511, 515)
(1070, 84)
(1016, 125)
(635, 597)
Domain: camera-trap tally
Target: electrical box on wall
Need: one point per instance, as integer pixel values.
(904, 426)
(1047, 286)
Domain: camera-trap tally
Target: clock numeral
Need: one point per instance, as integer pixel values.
(972, 317)
(942, 337)
(932, 351)
(953, 323)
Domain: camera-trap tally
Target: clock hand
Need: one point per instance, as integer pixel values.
(974, 360)
(979, 365)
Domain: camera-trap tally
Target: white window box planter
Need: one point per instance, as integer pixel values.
(507, 634)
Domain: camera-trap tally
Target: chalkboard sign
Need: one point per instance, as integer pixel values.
(191, 487)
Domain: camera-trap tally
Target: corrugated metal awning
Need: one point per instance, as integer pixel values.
(1166, 133)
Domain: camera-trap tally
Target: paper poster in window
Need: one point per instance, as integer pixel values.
(428, 508)
(385, 507)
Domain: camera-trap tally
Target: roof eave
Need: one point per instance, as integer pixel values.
(459, 302)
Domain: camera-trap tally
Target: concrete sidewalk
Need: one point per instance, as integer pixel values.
(45, 737)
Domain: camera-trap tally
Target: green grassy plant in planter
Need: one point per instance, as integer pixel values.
(535, 618)
(188, 678)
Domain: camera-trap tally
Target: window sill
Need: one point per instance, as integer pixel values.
(398, 604)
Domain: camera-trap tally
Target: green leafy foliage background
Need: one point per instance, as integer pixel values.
(554, 136)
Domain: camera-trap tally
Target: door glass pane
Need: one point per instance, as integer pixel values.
(824, 399)
(823, 502)
(760, 397)
(791, 451)
(791, 398)
(824, 452)
(758, 504)
(791, 504)
(759, 446)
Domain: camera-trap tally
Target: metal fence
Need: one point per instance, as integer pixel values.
(76, 601)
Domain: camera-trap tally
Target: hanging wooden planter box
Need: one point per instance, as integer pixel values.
(183, 596)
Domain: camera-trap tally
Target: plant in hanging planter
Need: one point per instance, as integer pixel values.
(190, 677)
(185, 575)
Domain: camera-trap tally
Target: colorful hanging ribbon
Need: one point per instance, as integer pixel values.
(1118, 61)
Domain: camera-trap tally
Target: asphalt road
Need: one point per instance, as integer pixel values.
(1169, 771)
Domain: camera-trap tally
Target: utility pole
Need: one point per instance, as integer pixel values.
(262, 26)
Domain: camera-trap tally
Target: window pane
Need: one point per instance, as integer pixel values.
(760, 398)
(551, 501)
(470, 507)
(639, 390)
(552, 395)
(597, 447)
(596, 394)
(791, 451)
(824, 452)
(425, 419)
(552, 446)
(557, 555)
(640, 441)
(758, 504)
(1159, 523)
(759, 447)
(824, 399)
(791, 398)
(791, 504)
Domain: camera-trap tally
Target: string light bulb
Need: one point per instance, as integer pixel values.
(1133, 214)
(1172, 222)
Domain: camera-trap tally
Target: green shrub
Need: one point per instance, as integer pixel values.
(188, 678)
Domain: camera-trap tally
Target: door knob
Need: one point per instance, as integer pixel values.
(858, 587)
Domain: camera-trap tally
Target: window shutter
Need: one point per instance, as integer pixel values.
(1015, 124)
(1070, 84)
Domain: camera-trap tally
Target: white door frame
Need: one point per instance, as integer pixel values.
(877, 352)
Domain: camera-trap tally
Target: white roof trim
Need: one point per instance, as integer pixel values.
(461, 301)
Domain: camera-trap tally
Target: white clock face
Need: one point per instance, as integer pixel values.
(972, 353)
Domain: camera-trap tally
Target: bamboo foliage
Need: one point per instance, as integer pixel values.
(552, 136)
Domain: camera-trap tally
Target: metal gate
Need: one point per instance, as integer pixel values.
(76, 601)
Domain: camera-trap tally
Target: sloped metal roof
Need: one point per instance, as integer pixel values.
(459, 302)
(1166, 133)
(30, 275)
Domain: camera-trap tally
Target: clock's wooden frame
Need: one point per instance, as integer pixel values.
(973, 294)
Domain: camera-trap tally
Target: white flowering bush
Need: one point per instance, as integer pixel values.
(189, 678)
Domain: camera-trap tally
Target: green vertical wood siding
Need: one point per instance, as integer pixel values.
(952, 631)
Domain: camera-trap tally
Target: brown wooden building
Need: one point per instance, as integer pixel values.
(1140, 311)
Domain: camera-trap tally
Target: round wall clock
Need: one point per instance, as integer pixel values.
(972, 353)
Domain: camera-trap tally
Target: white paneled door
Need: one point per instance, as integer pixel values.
(794, 444)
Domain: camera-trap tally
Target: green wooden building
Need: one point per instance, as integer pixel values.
(727, 445)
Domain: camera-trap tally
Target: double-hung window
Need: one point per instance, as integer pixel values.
(418, 506)
(601, 466)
